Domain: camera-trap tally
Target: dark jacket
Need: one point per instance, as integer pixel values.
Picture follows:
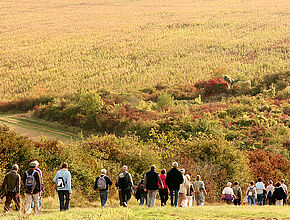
(11, 182)
(279, 194)
(108, 182)
(140, 189)
(37, 188)
(151, 180)
(124, 176)
(174, 179)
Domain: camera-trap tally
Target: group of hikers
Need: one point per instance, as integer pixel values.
(175, 183)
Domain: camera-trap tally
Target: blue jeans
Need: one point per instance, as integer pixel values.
(174, 196)
(104, 197)
(61, 195)
(260, 198)
(143, 197)
(251, 200)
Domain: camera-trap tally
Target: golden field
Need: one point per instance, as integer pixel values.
(61, 46)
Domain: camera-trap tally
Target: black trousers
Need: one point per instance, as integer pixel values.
(9, 197)
(124, 196)
(61, 194)
(237, 201)
(163, 193)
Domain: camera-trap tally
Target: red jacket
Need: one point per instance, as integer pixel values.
(163, 177)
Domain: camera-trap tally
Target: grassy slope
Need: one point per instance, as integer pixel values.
(206, 212)
(62, 46)
(35, 128)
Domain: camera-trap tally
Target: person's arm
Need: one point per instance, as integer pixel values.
(4, 183)
(109, 181)
(160, 182)
(38, 181)
(167, 179)
(55, 177)
(18, 184)
(145, 183)
(69, 182)
(130, 180)
(181, 179)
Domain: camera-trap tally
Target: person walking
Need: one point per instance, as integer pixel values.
(251, 193)
(184, 187)
(199, 191)
(270, 190)
(11, 188)
(32, 183)
(173, 180)
(102, 183)
(124, 184)
(163, 192)
(189, 194)
(260, 187)
(41, 181)
(151, 181)
(238, 193)
(63, 186)
(279, 194)
(228, 194)
(140, 193)
(283, 185)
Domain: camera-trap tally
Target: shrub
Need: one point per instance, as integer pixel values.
(213, 87)
(165, 100)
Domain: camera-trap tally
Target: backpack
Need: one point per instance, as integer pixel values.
(60, 182)
(102, 184)
(30, 182)
(123, 181)
(251, 191)
(196, 187)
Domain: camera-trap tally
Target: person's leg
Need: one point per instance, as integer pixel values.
(260, 199)
(141, 200)
(67, 199)
(8, 201)
(154, 194)
(162, 197)
(165, 196)
(104, 197)
(149, 198)
(16, 199)
(279, 202)
(28, 201)
(176, 197)
(36, 203)
(61, 199)
(121, 198)
(171, 197)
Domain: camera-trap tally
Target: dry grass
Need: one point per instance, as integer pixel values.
(124, 45)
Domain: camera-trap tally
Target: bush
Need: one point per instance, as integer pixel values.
(165, 100)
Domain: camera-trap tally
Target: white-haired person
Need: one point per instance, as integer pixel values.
(228, 194)
(173, 180)
(102, 184)
(124, 184)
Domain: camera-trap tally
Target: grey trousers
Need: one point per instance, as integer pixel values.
(151, 197)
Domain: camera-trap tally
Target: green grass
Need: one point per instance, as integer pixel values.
(206, 212)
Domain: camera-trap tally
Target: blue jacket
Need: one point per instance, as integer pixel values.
(65, 174)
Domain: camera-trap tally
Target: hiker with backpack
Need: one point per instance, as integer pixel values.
(270, 189)
(11, 188)
(124, 184)
(251, 193)
(151, 181)
(41, 180)
(260, 187)
(238, 193)
(32, 183)
(102, 183)
(173, 180)
(199, 191)
(189, 194)
(63, 186)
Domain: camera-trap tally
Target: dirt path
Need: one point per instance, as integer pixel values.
(36, 129)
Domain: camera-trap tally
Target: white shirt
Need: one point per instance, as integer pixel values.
(228, 191)
(260, 187)
(284, 187)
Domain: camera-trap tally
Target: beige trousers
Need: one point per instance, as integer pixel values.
(28, 202)
(182, 199)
